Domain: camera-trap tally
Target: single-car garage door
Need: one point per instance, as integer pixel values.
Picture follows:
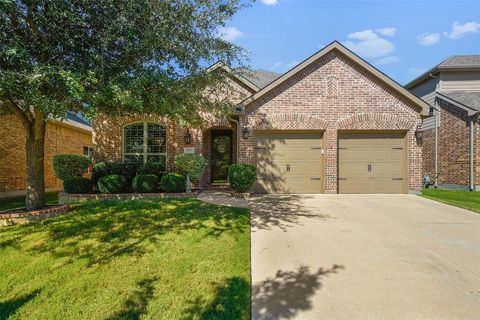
(372, 163)
(289, 162)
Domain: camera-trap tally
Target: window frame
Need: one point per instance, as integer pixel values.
(145, 152)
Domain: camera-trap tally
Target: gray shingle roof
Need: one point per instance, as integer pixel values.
(470, 99)
(261, 78)
(74, 117)
(461, 61)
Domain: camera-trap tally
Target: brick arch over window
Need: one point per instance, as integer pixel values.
(376, 121)
(289, 121)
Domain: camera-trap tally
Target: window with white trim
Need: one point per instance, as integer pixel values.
(145, 142)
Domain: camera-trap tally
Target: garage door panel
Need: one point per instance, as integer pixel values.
(289, 162)
(371, 162)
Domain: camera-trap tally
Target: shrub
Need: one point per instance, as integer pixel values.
(156, 168)
(145, 183)
(70, 165)
(113, 183)
(99, 170)
(126, 169)
(173, 182)
(242, 176)
(190, 164)
(77, 185)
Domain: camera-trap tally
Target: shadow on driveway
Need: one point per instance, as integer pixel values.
(281, 211)
(288, 292)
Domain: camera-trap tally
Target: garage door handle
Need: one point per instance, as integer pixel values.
(369, 168)
(288, 168)
(397, 178)
(315, 178)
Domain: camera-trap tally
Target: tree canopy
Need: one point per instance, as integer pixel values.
(113, 56)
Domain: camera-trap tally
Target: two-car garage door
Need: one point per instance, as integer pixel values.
(368, 162)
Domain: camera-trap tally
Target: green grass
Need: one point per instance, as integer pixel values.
(18, 202)
(162, 259)
(459, 198)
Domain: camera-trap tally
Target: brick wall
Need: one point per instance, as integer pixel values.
(334, 94)
(59, 138)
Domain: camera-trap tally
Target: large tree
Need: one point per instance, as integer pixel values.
(109, 56)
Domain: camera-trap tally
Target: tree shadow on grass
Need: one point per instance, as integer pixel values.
(231, 301)
(136, 305)
(287, 293)
(102, 231)
(10, 307)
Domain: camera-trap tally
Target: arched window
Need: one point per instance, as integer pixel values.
(145, 142)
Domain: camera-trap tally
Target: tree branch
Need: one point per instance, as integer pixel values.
(24, 116)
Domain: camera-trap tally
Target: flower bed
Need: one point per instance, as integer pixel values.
(67, 198)
(15, 216)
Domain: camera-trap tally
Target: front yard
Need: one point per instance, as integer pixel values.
(163, 259)
(459, 198)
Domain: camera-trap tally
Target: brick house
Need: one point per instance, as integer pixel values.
(452, 152)
(332, 124)
(72, 135)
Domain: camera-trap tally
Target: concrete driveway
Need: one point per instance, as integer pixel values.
(363, 257)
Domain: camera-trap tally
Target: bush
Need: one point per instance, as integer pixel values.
(126, 169)
(145, 183)
(77, 185)
(242, 176)
(156, 168)
(173, 182)
(70, 165)
(113, 183)
(190, 164)
(99, 170)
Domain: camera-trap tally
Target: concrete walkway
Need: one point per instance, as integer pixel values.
(223, 198)
(363, 257)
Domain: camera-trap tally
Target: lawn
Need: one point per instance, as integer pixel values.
(162, 259)
(19, 201)
(459, 198)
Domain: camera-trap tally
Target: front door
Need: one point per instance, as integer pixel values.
(221, 155)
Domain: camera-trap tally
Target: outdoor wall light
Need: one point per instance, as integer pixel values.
(245, 133)
(419, 134)
(188, 137)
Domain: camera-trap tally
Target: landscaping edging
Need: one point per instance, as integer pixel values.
(15, 216)
(67, 198)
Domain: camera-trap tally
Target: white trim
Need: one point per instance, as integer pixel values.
(145, 154)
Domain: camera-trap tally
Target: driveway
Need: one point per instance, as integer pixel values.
(363, 257)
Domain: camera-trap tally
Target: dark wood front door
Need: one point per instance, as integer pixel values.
(221, 155)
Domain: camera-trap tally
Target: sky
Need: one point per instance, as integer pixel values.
(401, 38)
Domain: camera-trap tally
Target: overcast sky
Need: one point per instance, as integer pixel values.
(401, 38)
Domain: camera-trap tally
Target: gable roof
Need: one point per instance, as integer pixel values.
(261, 78)
(237, 75)
(466, 100)
(457, 62)
(359, 61)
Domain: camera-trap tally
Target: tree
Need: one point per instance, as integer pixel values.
(110, 56)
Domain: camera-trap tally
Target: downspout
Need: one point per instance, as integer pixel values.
(472, 152)
(437, 115)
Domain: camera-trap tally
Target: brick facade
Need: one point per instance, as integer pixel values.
(333, 94)
(453, 148)
(59, 138)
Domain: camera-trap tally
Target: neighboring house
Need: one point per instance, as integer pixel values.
(72, 135)
(452, 152)
(332, 124)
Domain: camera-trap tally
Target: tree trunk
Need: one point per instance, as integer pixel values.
(35, 144)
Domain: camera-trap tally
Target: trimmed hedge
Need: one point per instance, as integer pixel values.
(156, 168)
(100, 170)
(173, 182)
(70, 165)
(77, 185)
(113, 183)
(190, 164)
(126, 169)
(145, 183)
(242, 176)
